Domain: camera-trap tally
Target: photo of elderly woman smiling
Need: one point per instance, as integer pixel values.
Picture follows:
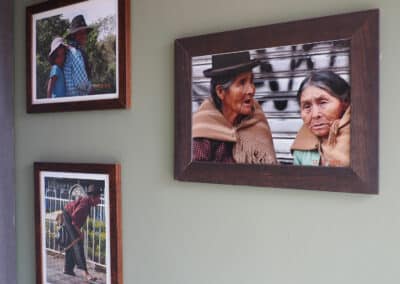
(324, 138)
(230, 125)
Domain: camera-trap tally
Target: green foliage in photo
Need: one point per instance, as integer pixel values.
(100, 48)
(96, 240)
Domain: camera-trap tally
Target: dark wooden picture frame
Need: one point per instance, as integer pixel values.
(57, 184)
(107, 54)
(362, 29)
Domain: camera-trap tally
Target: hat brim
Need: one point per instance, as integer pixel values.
(231, 70)
(52, 51)
(70, 33)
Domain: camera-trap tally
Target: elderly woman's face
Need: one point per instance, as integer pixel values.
(319, 110)
(238, 98)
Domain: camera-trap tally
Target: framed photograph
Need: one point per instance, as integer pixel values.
(78, 55)
(78, 223)
(290, 105)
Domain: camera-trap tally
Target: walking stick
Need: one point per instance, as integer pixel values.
(74, 242)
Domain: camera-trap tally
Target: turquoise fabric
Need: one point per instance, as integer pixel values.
(306, 158)
(59, 87)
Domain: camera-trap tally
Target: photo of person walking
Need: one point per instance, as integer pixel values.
(78, 223)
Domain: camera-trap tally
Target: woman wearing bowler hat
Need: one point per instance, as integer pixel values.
(230, 125)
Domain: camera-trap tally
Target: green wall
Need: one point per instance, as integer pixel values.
(191, 233)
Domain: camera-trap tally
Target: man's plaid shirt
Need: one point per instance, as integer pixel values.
(76, 80)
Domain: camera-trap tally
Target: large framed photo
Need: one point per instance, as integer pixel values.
(78, 223)
(78, 55)
(285, 105)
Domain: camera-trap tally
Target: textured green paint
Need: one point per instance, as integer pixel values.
(189, 233)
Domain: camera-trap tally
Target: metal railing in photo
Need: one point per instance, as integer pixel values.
(95, 230)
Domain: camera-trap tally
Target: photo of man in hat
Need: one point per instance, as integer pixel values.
(76, 67)
(89, 65)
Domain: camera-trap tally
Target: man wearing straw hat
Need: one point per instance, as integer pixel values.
(76, 67)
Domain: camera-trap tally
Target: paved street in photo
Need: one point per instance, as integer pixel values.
(55, 268)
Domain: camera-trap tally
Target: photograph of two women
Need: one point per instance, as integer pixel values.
(276, 105)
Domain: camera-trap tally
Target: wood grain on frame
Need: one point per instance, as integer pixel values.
(362, 28)
(114, 173)
(124, 62)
